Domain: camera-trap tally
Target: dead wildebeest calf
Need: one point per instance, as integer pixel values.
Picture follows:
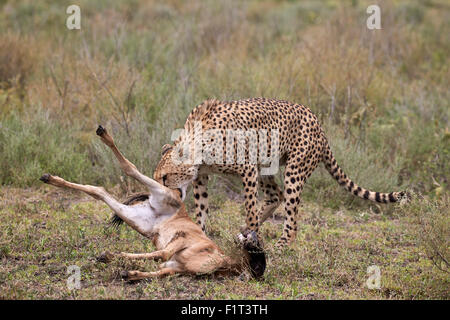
(161, 216)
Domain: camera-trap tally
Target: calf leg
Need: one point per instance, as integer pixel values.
(108, 256)
(130, 214)
(135, 275)
(156, 255)
(130, 169)
(165, 254)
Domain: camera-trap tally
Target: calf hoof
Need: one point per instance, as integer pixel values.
(105, 257)
(125, 275)
(100, 130)
(45, 178)
(132, 276)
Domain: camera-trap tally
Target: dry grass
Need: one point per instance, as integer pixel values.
(44, 232)
(16, 60)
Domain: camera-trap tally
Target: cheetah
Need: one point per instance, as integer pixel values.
(299, 142)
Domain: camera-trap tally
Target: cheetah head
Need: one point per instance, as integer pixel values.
(174, 175)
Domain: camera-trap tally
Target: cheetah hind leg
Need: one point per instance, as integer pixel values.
(293, 186)
(272, 197)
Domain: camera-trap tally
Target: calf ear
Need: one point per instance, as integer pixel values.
(166, 148)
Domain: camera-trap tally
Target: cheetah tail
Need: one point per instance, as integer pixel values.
(334, 169)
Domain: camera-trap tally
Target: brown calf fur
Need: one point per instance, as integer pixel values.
(161, 216)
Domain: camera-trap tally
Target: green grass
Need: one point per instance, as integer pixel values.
(45, 231)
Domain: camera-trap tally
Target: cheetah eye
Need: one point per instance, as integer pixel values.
(164, 178)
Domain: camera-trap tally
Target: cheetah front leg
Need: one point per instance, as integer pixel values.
(201, 200)
(250, 181)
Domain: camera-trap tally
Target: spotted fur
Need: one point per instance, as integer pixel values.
(302, 146)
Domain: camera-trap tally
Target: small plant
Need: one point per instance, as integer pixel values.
(432, 229)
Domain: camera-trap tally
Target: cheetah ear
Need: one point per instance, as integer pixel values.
(166, 148)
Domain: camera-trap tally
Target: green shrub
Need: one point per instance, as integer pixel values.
(431, 228)
(33, 144)
(384, 92)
